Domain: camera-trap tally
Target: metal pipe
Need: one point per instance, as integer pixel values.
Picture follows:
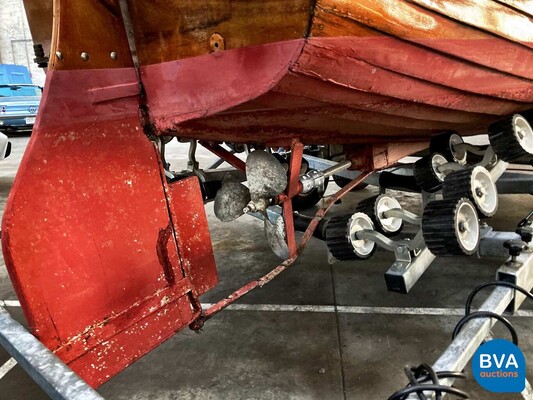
(450, 167)
(315, 178)
(477, 150)
(498, 170)
(321, 164)
(192, 164)
(342, 166)
(49, 372)
(380, 239)
(405, 215)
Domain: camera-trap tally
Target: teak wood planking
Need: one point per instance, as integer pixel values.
(176, 29)
(93, 27)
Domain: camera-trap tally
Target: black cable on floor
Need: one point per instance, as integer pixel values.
(417, 383)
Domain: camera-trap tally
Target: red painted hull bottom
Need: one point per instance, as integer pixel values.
(336, 90)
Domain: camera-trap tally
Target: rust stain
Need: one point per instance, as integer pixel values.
(162, 253)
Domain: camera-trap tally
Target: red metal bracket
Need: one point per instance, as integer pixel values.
(293, 188)
(225, 155)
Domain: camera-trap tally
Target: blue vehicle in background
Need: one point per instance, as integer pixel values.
(19, 98)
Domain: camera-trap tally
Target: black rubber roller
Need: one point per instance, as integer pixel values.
(512, 138)
(426, 174)
(451, 227)
(446, 144)
(476, 184)
(389, 180)
(339, 241)
(367, 206)
(370, 207)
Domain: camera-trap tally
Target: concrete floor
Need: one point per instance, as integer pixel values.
(295, 354)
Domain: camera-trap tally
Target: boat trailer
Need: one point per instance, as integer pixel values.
(454, 194)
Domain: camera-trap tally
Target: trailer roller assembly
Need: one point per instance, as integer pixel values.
(376, 208)
(343, 241)
(476, 184)
(428, 174)
(512, 138)
(513, 286)
(450, 145)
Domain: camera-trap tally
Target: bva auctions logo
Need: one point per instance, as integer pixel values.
(499, 366)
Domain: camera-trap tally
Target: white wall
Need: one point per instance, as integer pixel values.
(16, 45)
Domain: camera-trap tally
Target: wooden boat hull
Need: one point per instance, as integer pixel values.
(330, 71)
(317, 101)
(414, 71)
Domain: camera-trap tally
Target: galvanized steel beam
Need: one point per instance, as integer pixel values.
(49, 372)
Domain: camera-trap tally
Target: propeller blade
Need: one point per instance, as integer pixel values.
(266, 176)
(277, 237)
(230, 201)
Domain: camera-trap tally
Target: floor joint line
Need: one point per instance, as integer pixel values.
(316, 308)
(339, 336)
